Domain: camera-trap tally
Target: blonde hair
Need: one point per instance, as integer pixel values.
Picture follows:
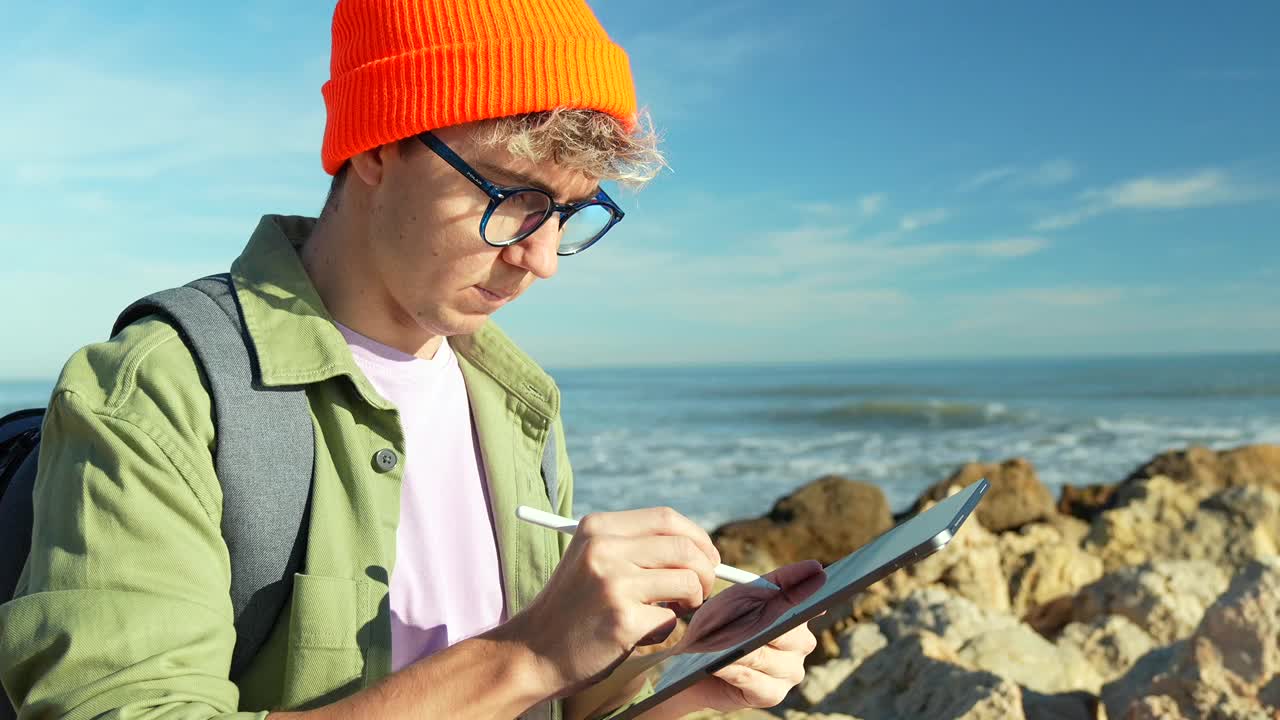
(592, 142)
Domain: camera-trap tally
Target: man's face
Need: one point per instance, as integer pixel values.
(433, 270)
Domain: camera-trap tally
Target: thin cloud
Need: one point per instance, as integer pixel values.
(987, 177)
(915, 221)
(1208, 187)
(1205, 188)
(1057, 171)
(1011, 247)
(1053, 172)
(866, 206)
(871, 204)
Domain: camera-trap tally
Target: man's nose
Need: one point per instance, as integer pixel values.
(537, 252)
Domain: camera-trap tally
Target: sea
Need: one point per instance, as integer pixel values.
(720, 443)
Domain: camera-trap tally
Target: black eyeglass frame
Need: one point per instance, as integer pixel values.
(498, 193)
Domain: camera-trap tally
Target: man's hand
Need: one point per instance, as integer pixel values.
(760, 679)
(763, 677)
(604, 597)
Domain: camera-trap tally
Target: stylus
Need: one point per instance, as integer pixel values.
(568, 526)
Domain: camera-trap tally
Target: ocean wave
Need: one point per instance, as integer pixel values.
(1194, 392)
(905, 414)
(823, 391)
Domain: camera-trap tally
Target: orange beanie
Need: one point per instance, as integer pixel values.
(401, 67)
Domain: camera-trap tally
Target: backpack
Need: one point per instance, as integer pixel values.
(264, 459)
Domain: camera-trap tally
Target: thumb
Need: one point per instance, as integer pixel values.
(798, 580)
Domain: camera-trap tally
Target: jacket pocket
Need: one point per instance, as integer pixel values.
(328, 640)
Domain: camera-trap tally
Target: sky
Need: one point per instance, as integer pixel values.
(848, 180)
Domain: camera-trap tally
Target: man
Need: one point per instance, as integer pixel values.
(421, 596)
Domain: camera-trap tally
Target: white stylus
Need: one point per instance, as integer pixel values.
(569, 526)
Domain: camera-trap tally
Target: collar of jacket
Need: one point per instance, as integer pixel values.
(295, 342)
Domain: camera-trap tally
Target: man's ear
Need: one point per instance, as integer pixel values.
(370, 165)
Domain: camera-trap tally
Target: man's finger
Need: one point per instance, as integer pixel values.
(798, 580)
(799, 639)
(670, 551)
(678, 586)
(757, 689)
(649, 521)
(775, 663)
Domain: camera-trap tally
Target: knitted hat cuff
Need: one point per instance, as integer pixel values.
(424, 89)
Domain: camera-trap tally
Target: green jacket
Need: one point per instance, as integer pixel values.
(123, 604)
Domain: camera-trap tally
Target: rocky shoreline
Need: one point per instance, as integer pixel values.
(1154, 597)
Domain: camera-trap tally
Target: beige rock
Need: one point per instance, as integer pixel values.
(1229, 667)
(1165, 599)
(1016, 496)
(993, 641)
(969, 565)
(1144, 528)
(1204, 471)
(919, 676)
(1111, 643)
(1049, 573)
(1162, 521)
(855, 645)
(952, 618)
(1016, 545)
(1021, 654)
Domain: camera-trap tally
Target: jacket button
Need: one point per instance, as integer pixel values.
(385, 460)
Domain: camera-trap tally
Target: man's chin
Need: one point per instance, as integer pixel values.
(467, 323)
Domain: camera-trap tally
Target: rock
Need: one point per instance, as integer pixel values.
(1244, 623)
(969, 565)
(919, 676)
(1144, 527)
(1086, 501)
(1049, 573)
(1111, 643)
(1160, 520)
(954, 619)
(993, 641)
(1073, 529)
(1206, 471)
(1018, 653)
(1230, 664)
(1120, 693)
(1062, 706)
(1045, 550)
(1016, 496)
(1165, 599)
(1017, 545)
(824, 520)
(855, 645)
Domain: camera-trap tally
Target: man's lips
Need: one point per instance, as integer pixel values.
(495, 295)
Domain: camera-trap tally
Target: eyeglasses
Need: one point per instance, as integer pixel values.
(516, 212)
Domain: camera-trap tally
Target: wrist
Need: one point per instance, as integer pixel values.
(532, 672)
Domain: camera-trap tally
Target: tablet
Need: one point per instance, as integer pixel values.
(907, 543)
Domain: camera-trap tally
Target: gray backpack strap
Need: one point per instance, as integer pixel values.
(549, 467)
(264, 456)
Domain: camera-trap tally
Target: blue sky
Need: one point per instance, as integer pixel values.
(849, 180)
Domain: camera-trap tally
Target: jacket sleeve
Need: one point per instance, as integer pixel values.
(123, 610)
